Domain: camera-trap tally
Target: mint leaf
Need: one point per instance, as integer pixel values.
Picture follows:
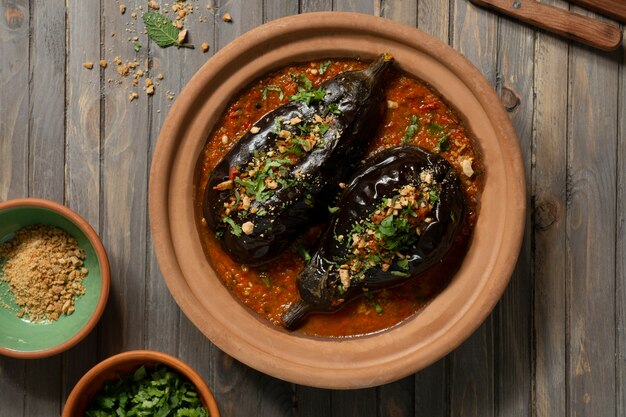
(161, 30)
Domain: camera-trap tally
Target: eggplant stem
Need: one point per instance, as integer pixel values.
(294, 314)
(379, 66)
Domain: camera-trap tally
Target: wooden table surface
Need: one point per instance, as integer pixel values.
(555, 345)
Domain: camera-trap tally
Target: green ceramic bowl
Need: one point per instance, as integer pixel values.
(23, 339)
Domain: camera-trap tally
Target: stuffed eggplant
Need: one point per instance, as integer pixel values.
(397, 217)
(269, 186)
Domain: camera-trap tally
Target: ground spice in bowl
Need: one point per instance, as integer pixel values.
(43, 266)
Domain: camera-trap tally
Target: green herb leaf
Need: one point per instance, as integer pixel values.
(235, 228)
(137, 47)
(161, 30)
(411, 130)
(323, 67)
(266, 279)
(323, 129)
(403, 264)
(304, 254)
(378, 308)
(332, 210)
(400, 274)
(433, 196)
(334, 108)
(272, 88)
(444, 144)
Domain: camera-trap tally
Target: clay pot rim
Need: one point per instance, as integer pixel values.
(94, 377)
(362, 371)
(105, 275)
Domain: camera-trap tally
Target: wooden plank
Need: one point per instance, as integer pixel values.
(620, 256)
(474, 34)
(432, 390)
(242, 390)
(315, 5)
(591, 232)
(403, 11)
(46, 162)
(513, 348)
(82, 163)
(14, 106)
(356, 6)
(313, 402)
(273, 9)
(124, 187)
(355, 403)
(550, 253)
(14, 98)
(47, 101)
(433, 17)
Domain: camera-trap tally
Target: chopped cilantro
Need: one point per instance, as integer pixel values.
(277, 126)
(400, 274)
(266, 279)
(411, 130)
(323, 128)
(272, 87)
(304, 254)
(332, 210)
(334, 108)
(403, 264)
(378, 308)
(444, 144)
(434, 128)
(235, 228)
(219, 234)
(158, 392)
(433, 196)
(306, 92)
(324, 66)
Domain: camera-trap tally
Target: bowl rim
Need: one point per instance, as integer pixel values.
(369, 373)
(105, 275)
(145, 356)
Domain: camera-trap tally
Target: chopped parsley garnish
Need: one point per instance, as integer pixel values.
(306, 93)
(158, 392)
(324, 66)
(266, 279)
(323, 128)
(235, 229)
(444, 144)
(334, 108)
(332, 210)
(411, 130)
(434, 128)
(272, 87)
(277, 125)
(304, 254)
(433, 196)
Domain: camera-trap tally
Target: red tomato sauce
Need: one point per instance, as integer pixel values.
(270, 289)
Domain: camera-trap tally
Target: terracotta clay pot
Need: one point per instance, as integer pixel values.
(124, 363)
(331, 363)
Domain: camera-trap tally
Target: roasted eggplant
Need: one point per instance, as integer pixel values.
(268, 187)
(397, 217)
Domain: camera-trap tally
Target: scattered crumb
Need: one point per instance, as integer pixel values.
(160, 76)
(150, 90)
(133, 15)
(204, 47)
(153, 5)
(123, 70)
(227, 17)
(182, 35)
(122, 9)
(149, 82)
(88, 64)
(139, 73)
(103, 63)
(133, 96)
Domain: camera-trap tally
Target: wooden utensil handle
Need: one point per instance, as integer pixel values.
(574, 26)
(612, 8)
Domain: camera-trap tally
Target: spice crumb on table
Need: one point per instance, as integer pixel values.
(44, 269)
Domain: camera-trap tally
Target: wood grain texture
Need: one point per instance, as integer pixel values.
(432, 393)
(591, 226)
(513, 332)
(356, 6)
(549, 221)
(124, 187)
(315, 5)
(620, 256)
(403, 11)
(274, 9)
(475, 34)
(433, 17)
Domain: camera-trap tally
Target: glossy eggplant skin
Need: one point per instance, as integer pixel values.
(381, 177)
(353, 104)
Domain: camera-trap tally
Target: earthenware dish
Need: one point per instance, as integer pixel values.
(20, 338)
(124, 363)
(336, 363)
